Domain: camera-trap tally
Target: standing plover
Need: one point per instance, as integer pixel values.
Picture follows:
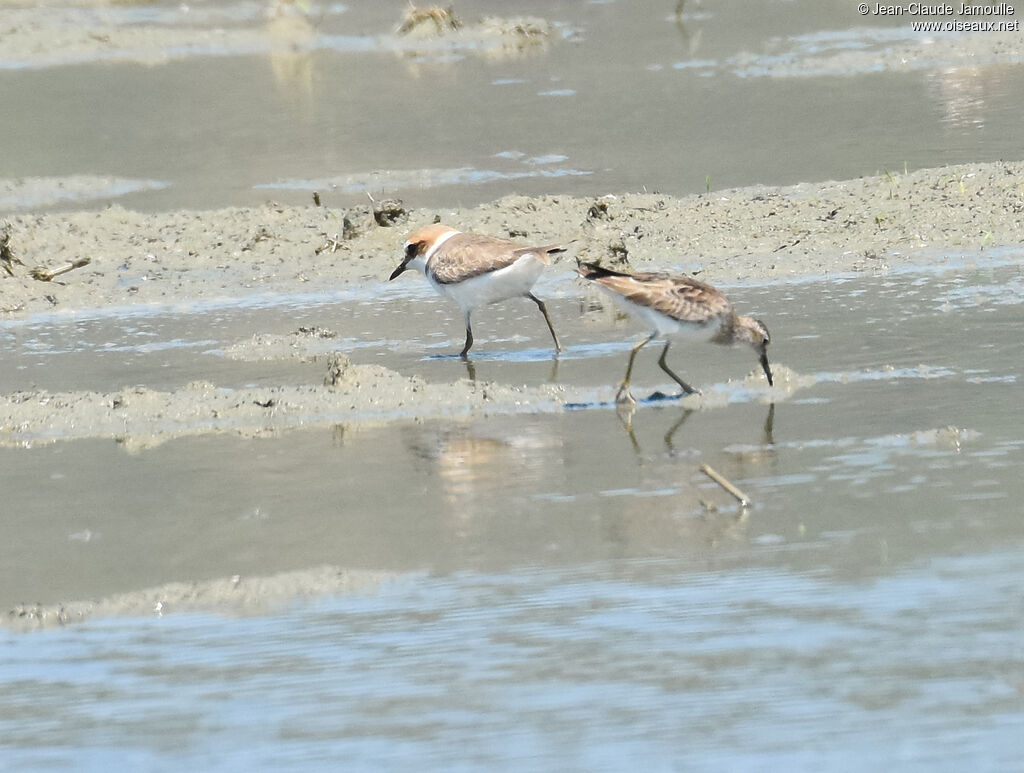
(678, 306)
(475, 270)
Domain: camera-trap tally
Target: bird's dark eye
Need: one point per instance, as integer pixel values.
(411, 250)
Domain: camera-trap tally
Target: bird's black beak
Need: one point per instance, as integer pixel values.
(411, 250)
(767, 369)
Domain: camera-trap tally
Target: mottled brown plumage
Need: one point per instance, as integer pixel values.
(673, 305)
(682, 298)
(465, 256)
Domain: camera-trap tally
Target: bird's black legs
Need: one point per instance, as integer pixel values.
(687, 389)
(464, 354)
(544, 311)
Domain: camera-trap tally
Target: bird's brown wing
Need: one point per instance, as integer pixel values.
(465, 256)
(681, 298)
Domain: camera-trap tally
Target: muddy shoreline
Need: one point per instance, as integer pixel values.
(171, 260)
(757, 233)
(163, 261)
(235, 595)
(168, 261)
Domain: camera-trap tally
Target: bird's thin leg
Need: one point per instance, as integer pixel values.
(624, 395)
(544, 311)
(464, 354)
(661, 361)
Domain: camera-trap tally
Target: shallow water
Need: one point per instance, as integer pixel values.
(566, 591)
(622, 98)
(685, 665)
(569, 589)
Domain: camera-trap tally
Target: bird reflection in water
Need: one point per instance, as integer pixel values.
(478, 464)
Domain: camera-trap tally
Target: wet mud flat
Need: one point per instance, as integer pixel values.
(128, 261)
(758, 233)
(175, 261)
(235, 595)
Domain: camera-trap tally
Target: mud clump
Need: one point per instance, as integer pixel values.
(315, 331)
(525, 30)
(338, 366)
(618, 253)
(429, 20)
(598, 211)
(7, 259)
(492, 37)
(389, 212)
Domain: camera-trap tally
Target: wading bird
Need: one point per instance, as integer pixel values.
(677, 307)
(475, 270)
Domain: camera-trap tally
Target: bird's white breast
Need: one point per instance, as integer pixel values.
(513, 281)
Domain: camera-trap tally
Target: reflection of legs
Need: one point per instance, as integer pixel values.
(554, 370)
(470, 368)
(544, 311)
(469, 338)
(769, 425)
(624, 395)
(687, 389)
(672, 430)
(625, 413)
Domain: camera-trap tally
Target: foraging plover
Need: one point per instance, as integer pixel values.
(677, 306)
(475, 270)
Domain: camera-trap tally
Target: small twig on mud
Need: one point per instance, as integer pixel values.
(786, 246)
(742, 498)
(331, 245)
(46, 274)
